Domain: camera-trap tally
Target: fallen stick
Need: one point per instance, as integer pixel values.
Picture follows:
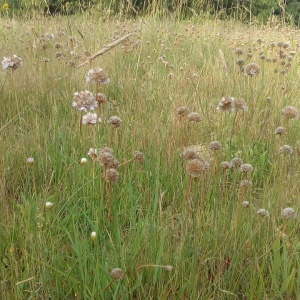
(106, 48)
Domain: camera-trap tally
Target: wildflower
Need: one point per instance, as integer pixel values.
(215, 146)
(84, 101)
(30, 161)
(263, 212)
(245, 203)
(48, 205)
(289, 112)
(83, 161)
(240, 104)
(97, 75)
(5, 7)
(236, 162)
(112, 175)
(105, 158)
(139, 156)
(286, 149)
(101, 98)
(115, 121)
(240, 62)
(116, 274)
(226, 104)
(195, 167)
(13, 62)
(189, 154)
(239, 51)
(93, 235)
(93, 153)
(288, 213)
(280, 131)
(251, 69)
(89, 118)
(246, 168)
(246, 183)
(194, 117)
(182, 111)
(226, 165)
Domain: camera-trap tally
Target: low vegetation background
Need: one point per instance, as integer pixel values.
(164, 229)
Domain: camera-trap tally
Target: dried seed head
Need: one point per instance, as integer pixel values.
(236, 162)
(90, 119)
(115, 121)
(105, 158)
(194, 117)
(286, 149)
(139, 156)
(251, 69)
(240, 62)
(14, 62)
(196, 167)
(226, 104)
(239, 51)
(246, 168)
(246, 183)
(182, 111)
(246, 203)
(101, 98)
(97, 75)
(116, 274)
(240, 104)
(215, 146)
(289, 112)
(112, 175)
(263, 212)
(288, 213)
(84, 101)
(280, 131)
(226, 165)
(189, 154)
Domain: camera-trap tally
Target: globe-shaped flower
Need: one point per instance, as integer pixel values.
(14, 62)
(84, 100)
(97, 75)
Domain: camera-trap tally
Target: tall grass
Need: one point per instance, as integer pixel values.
(217, 247)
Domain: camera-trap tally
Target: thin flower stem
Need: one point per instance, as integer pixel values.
(126, 162)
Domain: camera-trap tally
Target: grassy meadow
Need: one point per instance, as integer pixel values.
(176, 229)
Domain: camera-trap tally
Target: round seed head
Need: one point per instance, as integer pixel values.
(236, 162)
(84, 100)
(89, 119)
(97, 75)
(115, 121)
(280, 131)
(116, 274)
(289, 112)
(194, 117)
(226, 165)
(101, 98)
(246, 183)
(182, 111)
(112, 175)
(246, 168)
(240, 104)
(189, 154)
(251, 69)
(139, 156)
(215, 146)
(288, 213)
(246, 203)
(239, 51)
(286, 149)
(196, 167)
(226, 104)
(263, 212)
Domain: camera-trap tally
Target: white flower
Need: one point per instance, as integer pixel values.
(30, 161)
(83, 161)
(89, 118)
(97, 75)
(13, 62)
(93, 235)
(48, 205)
(84, 100)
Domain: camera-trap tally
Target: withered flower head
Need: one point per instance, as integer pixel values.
(240, 104)
(289, 112)
(14, 62)
(226, 165)
(116, 274)
(101, 98)
(286, 149)
(239, 51)
(89, 119)
(280, 131)
(115, 121)
(246, 168)
(182, 111)
(97, 75)
(251, 69)
(288, 213)
(112, 175)
(263, 212)
(84, 101)
(227, 103)
(215, 146)
(189, 154)
(246, 183)
(139, 156)
(194, 117)
(196, 167)
(236, 162)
